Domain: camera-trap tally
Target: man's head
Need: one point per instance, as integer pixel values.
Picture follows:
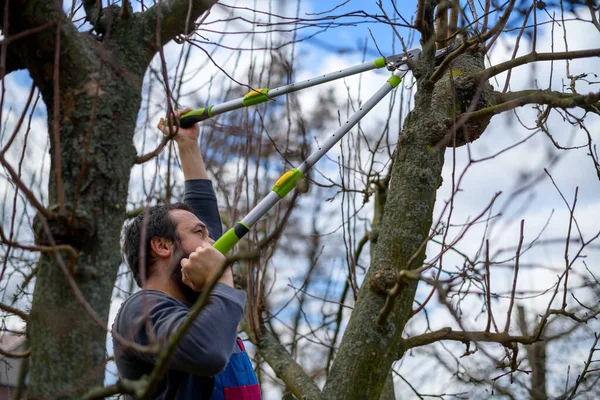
(156, 242)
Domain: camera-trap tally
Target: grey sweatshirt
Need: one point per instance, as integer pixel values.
(206, 348)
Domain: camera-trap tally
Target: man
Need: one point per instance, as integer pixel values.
(169, 251)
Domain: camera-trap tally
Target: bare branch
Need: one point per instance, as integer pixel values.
(149, 156)
(123, 386)
(530, 58)
(30, 196)
(175, 16)
(586, 367)
(522, 98)
(466, 337)
(441, 25)
(12, 310)
(23, 354)
(497, 29)
(286, 368)
(515, 276)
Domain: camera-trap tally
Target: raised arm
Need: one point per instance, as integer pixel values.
(199, 192)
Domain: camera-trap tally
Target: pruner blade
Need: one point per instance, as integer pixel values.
(443, 53)
(395, 62)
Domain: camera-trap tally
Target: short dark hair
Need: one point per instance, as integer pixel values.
(157, 223)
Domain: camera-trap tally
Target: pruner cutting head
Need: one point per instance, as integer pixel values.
(395, 62)
(443, 53)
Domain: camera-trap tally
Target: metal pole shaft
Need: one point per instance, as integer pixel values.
(262, 95)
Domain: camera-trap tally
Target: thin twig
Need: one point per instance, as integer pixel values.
(566, 255)
(488, 294)
(589, 361)
(515, 276)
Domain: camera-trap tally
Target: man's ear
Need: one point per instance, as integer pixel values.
(161, 247)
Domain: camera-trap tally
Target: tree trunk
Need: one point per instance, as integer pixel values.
(367, 350)
(407, 219)
(98, 110)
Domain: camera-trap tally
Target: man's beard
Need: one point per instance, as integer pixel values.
(190, 295)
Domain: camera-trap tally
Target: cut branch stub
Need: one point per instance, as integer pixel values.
(383, 280)
(65, 229)
(457, 95)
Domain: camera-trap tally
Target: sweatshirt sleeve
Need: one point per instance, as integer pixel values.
(200, 195)
(205, 349)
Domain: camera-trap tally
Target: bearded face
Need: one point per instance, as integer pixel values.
(177, 277)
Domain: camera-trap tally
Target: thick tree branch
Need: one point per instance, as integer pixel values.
(439, 72)
(529, 58)
(30, 22)
(12, 310)
(8, 354)
(465, 337)
(44, 249)
(420, 21)
(101, 18)
(174, 17)
(13, 62)
(93, 9)
(441, 25)
(286, 368)
(502, 338)
(123, 386)
(513, 100)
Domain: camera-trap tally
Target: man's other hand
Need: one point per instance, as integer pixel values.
(202, 265)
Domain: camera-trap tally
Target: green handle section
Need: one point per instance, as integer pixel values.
(189, 119)
(231, 237)
(287, 182)
(379, 62)
(226, 242)
(256, 97)
(394, 80)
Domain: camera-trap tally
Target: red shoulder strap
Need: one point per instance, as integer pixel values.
(241, 344)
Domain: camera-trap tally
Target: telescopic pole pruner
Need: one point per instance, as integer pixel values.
(285, 184)
(258, 96)
(262, 95)
(288, 180)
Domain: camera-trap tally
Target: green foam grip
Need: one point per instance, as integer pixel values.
(287, 182)
(394, 80)
(379, 62)
(226, 242)
(256, 97)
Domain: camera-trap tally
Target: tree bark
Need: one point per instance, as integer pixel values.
(98, 110)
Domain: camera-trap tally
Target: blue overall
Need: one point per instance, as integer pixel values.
(237, 381)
